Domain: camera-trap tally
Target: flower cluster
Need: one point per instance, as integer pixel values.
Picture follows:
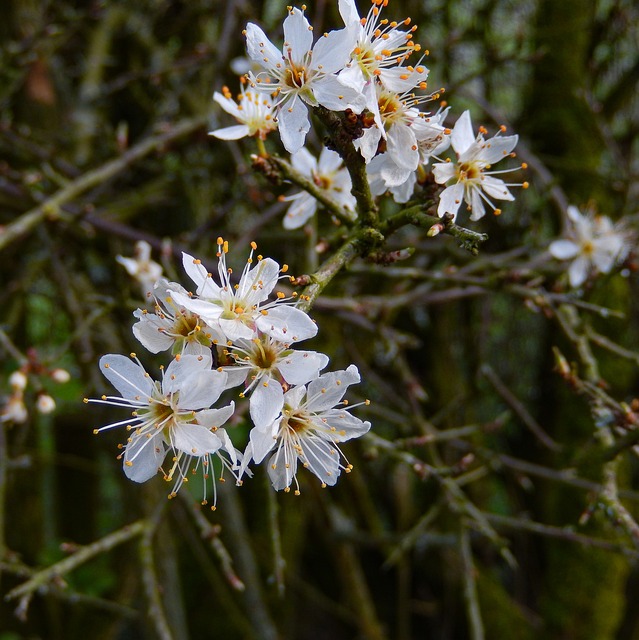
(226, 334)
(365, 67)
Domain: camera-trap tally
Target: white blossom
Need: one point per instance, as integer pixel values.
(253, 110)
(142, 268)
(267, 366)
(594, 245)
(242, 309)
(474, 183)
(302, 74)
(310, 422)
(328, 174)
(381, 49)
(171, 415)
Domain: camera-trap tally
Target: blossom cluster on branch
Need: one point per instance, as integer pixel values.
(223, 335)
(361, 83)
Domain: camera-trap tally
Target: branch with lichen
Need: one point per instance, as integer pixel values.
(41, 579)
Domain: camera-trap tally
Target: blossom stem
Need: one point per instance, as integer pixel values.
(261, 147)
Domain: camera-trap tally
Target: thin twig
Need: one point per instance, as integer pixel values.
(471, 596)
(51, 207)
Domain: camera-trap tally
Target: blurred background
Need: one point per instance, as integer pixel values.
(483, 504)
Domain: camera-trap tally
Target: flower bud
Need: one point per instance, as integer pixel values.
(60, 376)
(18, 380)
(45, 403)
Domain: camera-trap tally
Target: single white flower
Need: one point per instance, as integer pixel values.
(172, 326)
(266, 366)
(242, 309)
(328, 174)
(474, 181)
(253, 110)
(310, 422)
(380, 51)
(302, 74)
(142, 268)
(594, 245)
(170, 415)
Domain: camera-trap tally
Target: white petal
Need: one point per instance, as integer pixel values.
(450, 200)
(215, 418)
(262, 441)
(256, 285)
(444, 171)
(563, 249)
(477, 209)
(128, 377)
(322, 459)
(181, 368)
(206, 287)
(300, 211)
(259, 47)
(194, 439)
(231, 133)
(286, 324)
(400, 79)
(368, 143)
(329, 161)
(346, 425)
(333, 50)
(149, 332)
(578, 271)
(462, 135)
(402, 147)
(281, 476)
(403, 192)
(348, 11)
(207, 310)
(145, 456)
(293, 124)
(327, 390)
(333, 94)
(298, 36)
(236, 329)
(304, 161)
(496, 188)
(266, 402)
(229, 105)
(497, 148)
(301, 366)
(235, 376)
